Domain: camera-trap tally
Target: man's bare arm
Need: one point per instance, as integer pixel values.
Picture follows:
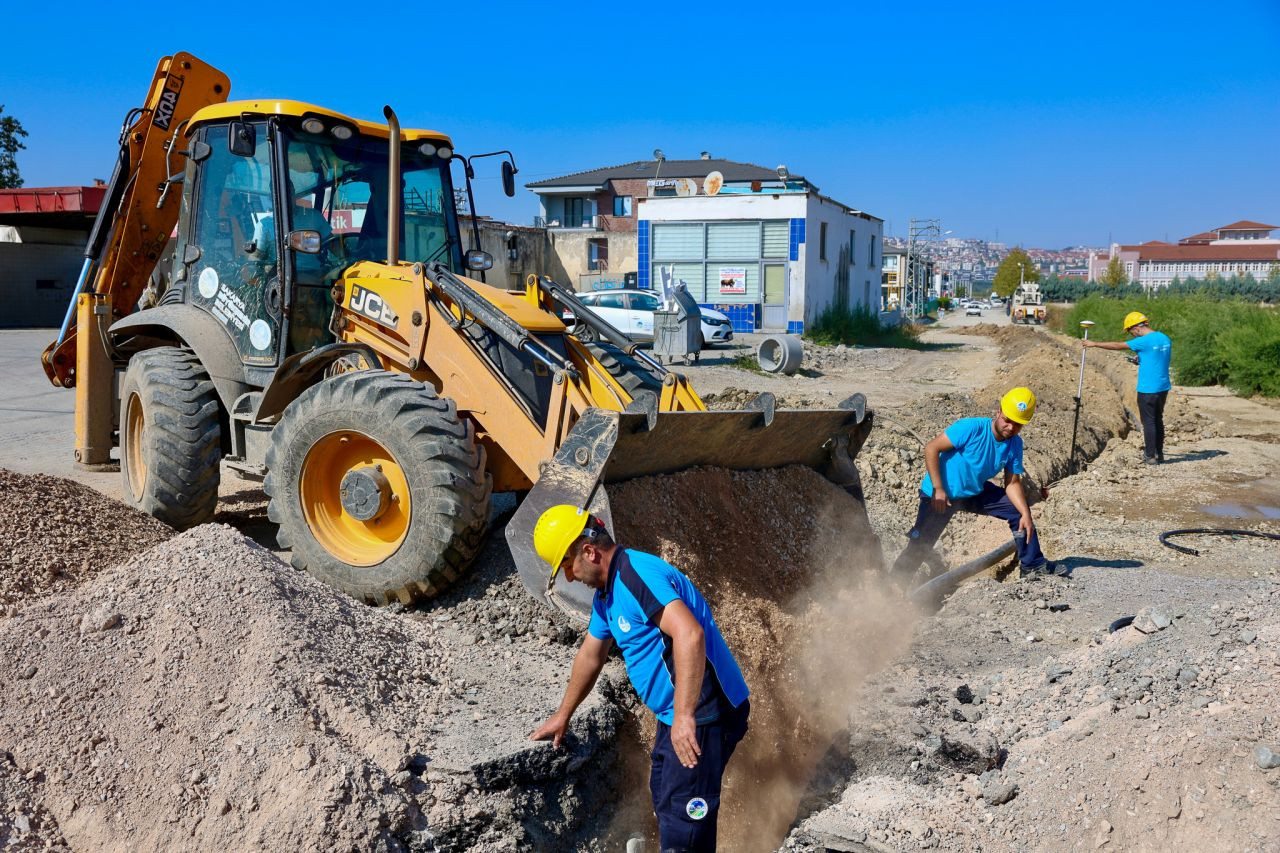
(689, 652)
(933, 451)
(1113, 345)
(590, 659)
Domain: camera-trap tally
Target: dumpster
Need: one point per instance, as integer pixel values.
(677, 333)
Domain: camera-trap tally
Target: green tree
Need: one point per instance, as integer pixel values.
(1007, 275)
(1114, 275)
(10, 132)
(1273, 274)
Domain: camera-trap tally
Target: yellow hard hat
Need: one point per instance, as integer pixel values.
(1133, 318)
(557, 529)
(1019, 405)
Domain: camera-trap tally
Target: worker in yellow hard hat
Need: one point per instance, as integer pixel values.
(960, 462)
(1153, 351)
(676, 659)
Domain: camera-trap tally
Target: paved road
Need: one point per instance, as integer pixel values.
(37, 427)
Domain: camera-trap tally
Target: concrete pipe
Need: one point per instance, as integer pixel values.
(780, 354)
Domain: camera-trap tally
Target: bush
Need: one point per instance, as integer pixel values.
(860, 326)
(1216, 341)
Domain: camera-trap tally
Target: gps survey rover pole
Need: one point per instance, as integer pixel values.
(1071, 469)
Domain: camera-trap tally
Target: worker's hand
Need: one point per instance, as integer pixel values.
(941, 503)
(684, 740)
(1025, 525)
(1088, 343)
(553, 729)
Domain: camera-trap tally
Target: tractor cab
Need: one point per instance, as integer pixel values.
(280, 199)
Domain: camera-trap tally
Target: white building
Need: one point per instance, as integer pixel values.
(1241, 248)
(770, 257)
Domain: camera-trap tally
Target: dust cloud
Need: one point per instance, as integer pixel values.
(791, 567)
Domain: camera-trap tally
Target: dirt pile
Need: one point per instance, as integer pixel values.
(788, 562)
(1085, 739)
(56, 533)
(204, 695)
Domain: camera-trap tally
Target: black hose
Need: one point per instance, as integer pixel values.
(1122, 622)
(1211, 531)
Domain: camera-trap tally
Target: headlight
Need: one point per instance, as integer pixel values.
(445, 152)
(341, 132)
(427, 149)
(313, 125)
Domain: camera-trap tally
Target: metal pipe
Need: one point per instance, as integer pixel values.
(934, 591)
(393, 186)
(75, 296)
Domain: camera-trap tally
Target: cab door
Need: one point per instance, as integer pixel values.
(227, 248)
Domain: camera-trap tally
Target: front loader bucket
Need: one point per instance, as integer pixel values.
(609, 447)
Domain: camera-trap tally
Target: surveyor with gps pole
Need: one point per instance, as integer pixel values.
(1154, 350)
(676, 659)
(960, 461)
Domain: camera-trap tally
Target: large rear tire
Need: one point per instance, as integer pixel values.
(170, 437)
(378, 486)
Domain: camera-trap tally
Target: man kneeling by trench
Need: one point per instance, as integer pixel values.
(960, 461)
(676, 659)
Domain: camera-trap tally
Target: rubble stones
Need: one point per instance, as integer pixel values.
(997, 793)
(1152, 619)
(1266, 758)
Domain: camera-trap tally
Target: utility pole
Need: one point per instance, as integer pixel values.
(914, 295)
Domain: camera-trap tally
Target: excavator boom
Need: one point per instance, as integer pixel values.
(139, 212)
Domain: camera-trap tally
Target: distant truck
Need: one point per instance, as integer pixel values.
(1028, 305)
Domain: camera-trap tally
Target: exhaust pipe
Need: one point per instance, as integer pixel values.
(393, 186)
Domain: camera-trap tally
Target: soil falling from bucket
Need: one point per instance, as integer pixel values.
(790, 566)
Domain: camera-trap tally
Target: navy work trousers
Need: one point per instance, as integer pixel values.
(1151, 410)
(687, 800)
(929, 525)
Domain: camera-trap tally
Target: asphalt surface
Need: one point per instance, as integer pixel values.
(37, 420)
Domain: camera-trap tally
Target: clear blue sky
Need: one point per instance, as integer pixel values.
(1051, 123)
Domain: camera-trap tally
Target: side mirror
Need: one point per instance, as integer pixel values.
(508, 179)
(242, 140)
(479, 260)
(306, 242)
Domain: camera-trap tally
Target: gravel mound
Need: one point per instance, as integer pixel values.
(207, 693)
(58, 533)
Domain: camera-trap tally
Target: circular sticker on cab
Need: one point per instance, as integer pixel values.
(260, 334)
(207, 284)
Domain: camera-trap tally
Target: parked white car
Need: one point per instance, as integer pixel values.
(631, 312)
(973, 309)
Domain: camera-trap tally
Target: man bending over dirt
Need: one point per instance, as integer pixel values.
(676, 659)
(960, 462)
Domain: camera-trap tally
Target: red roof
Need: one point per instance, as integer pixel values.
(52, 200)
(1247, 225)
(1202, 237)
(1169, 252)
(1157, 243)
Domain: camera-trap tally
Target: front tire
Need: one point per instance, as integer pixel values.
(378, 486)
(170, 437)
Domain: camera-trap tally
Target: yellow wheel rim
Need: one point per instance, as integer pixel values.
(134, 460)
(354, 542)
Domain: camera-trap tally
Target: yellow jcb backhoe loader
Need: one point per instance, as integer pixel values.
(315, 330)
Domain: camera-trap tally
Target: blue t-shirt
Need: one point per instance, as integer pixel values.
(1154, 350)
(627, 609)
(977, 458)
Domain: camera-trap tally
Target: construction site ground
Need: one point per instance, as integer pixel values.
(192, 691)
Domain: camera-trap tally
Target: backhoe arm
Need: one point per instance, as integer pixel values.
(139, 212)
